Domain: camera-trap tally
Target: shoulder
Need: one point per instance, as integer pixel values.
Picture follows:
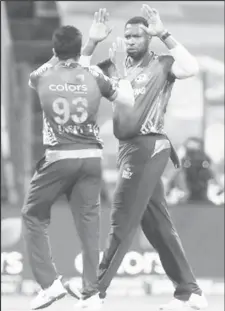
(164, 58)
(35, 76)
(41, 70)
(166, 61)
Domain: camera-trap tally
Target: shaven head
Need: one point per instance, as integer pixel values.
(136, 39)
(67, 42)
(137, 20)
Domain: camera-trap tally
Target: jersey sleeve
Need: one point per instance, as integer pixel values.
(36, 74)
(107, 86)
(85, 61)
(167, 62)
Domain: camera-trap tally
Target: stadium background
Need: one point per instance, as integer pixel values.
(196, 109)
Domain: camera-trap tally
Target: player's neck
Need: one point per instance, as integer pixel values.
(70, 60)
(138, 60)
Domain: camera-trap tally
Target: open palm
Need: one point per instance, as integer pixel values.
(117, 54)
(99, 29)
(156, 26)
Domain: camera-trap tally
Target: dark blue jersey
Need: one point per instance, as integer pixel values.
(152, 84)
(70, 97)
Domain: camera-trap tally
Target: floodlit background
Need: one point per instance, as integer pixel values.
(196, 110)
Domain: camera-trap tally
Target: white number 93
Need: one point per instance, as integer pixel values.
(61, 107)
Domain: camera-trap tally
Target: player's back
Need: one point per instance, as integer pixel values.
(70, 98)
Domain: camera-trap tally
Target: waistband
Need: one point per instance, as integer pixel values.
(55, 155)
(160, 141)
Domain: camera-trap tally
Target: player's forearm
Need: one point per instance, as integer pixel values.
(87, 52)
(185, 64)
(125, 94)
(89, 47)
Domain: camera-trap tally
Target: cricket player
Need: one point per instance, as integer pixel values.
(70, 96)
(144, 150)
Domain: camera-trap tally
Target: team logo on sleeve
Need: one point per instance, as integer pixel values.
(42, 69)
(127, 172)
(114, 82)
(142, 78)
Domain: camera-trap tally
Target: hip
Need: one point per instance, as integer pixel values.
(142, 148)
(52, 155)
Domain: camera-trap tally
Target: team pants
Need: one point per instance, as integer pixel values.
(139, 187)
(159, 229)
(80, 180)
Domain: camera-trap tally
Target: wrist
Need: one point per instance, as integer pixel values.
(164, 35)
(92, 42)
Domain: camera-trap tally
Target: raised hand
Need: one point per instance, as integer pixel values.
(117, 54)
(99, 29)
(156, 27)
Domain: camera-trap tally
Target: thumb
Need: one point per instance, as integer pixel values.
(110, 30)
(111, 54)
(146, 29)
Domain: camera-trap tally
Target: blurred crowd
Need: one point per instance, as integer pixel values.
(199, 180)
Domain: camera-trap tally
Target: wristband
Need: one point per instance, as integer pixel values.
(165, 35)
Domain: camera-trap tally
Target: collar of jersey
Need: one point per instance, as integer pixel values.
(68, 62)
(144, 62)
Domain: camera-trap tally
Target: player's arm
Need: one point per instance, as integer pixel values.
(114, 68)
(118, 91)
(185, 65)
(98, 32)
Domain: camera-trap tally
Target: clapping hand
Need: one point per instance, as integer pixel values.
(100, 29)
(156, 27)
(117, 54)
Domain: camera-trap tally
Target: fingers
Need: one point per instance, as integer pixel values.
(147, 9)
(107, 16)
(148, 12)
(101, 16)
(146, 29)
(112, 54)
(102, 13)
(96, 17)
(114, 47)
(120, 44)
(117, 46)
(155, 11)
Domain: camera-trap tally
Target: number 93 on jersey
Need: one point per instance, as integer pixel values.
(65, 111)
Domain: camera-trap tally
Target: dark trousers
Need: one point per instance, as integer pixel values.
(159, 229)
(138, 187)
(80, 180)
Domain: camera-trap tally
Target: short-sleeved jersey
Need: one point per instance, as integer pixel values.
(70, 97)
(152, 83)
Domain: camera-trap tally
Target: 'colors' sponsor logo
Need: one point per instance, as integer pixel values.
(134, 263)
(68, 87)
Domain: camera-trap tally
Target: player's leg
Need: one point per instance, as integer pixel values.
(134, 188)
(159, 229)
(85, 202)
(47, 184)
